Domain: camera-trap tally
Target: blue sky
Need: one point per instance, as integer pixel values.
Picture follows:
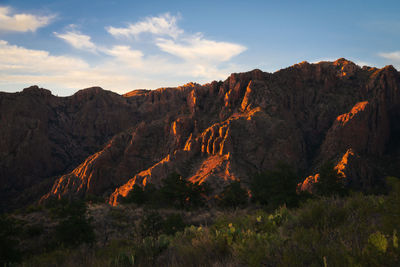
(125, 45)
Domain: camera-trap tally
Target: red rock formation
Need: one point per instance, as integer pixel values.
(303, 115)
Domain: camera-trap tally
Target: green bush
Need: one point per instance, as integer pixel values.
(74, 231)
(275, 187)
(233, 195)
(178, 192)
(172, 224)
(151, 224)
(73, 228)
(175, 192)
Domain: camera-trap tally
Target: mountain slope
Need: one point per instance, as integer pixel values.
(303, 115)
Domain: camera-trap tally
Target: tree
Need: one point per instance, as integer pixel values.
(175, 190)
(181, 193)
(233, 195)
(136, 195)
(73, 227)
(330, 182)
(275, 187)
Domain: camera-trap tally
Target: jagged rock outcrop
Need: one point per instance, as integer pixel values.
(43, 136)
(303, 115)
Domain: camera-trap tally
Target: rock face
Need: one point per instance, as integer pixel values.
(43, 136)
(97, 142)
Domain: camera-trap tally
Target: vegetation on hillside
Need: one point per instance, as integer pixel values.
(277, 227)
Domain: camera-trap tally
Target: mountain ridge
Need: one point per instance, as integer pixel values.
(223, 131)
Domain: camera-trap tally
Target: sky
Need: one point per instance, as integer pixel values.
(66, 46)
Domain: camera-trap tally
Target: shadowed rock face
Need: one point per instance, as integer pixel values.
(43, 136)
(97, 142)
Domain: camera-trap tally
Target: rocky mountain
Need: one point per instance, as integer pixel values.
(100, 143)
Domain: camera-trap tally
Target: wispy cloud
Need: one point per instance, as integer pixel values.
(198, 53)
(173, 58)
(394, 56)
(21, 22)
(16, 59)
(125, 55)
(196, 47)
(165, 24)
(77, 40)
(19, 66)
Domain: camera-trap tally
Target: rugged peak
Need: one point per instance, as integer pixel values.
(389, 68)
(91, 90)
(36, 90)
(301, 64)
(302, 115)
(136, 92)
(342, 62)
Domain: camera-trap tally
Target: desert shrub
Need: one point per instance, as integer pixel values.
(57, 257)
(391, 218)
(150, 248)
(196, 246)
(323, 214)
(33, 230)
(91, 198)
(33, 208)
(172, 224)
(275, 187)
(123, 260)
(73, 228)
(233, 195)
(9, 252)
(381, 250)
(64, 208)
(117, 253)
(151, 224)
(74, 231)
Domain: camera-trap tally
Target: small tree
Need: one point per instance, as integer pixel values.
(181, 193)
(136, 195)
(275, 187)
(329, 183)
(175, 190)
(74, 227)
(233, 195)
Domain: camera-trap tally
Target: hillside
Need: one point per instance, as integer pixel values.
(100, 143)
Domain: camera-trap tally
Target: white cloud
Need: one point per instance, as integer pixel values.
(197, 48)
(77, 40)
(123, 70)
(162, 25)
(126, 55)
(169, 58)
(23, 67)
(15, 59)
(394, 56)
(198, 53)
(21, 22)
